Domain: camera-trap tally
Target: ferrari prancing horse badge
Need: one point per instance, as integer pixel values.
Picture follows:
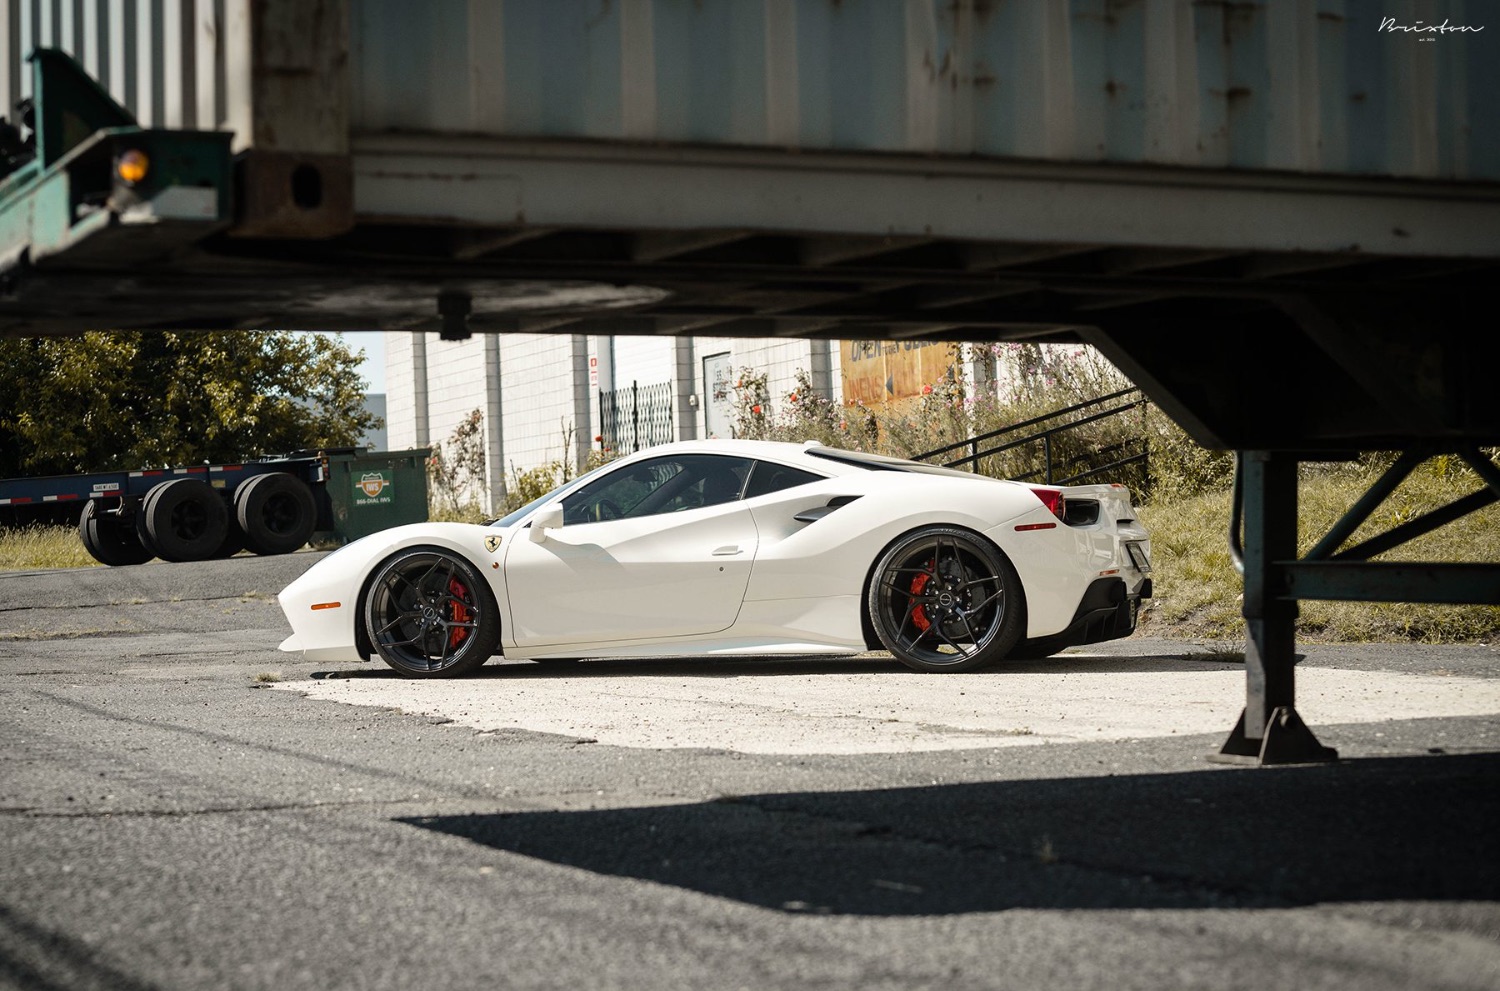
(492, 543)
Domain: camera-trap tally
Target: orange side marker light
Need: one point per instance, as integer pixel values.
(326, 605)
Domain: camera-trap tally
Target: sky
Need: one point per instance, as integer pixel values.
(372, 342)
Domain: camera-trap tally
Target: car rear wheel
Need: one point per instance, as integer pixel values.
(946, 599)
(429, 614)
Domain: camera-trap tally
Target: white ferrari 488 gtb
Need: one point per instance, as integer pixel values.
(740, 547)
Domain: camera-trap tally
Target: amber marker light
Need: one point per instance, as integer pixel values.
(132, 166)
(326, 605)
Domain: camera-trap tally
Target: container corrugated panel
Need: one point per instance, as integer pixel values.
(167, 61)
(1301, 85)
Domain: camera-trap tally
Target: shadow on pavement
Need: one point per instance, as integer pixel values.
(1367, 830)
(734, 667)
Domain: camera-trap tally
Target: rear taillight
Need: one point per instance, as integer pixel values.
(1053, 500)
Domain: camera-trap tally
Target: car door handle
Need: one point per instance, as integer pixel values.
(729, 550)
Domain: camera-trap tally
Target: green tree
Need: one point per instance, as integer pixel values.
(110, 400)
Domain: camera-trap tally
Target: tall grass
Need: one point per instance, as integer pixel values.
(1198, 591)
(27, 548)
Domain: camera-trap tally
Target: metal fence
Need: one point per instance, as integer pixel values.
(636, 417)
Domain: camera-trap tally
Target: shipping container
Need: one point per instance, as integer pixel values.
(1333, 87)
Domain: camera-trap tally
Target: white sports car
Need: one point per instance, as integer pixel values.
(740, 547)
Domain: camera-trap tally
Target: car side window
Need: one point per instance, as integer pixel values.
(661, 485)
(768, 477)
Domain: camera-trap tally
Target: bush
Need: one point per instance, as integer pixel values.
(1041, 380)
(456, 473)
(533, 483)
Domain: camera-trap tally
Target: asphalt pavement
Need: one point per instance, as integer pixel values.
(182, 806)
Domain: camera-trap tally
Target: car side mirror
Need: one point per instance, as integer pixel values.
(546, 518)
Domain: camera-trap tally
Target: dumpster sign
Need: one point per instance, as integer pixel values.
(373, 488)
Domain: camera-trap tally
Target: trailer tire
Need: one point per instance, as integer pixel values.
(234, 540)
(186, 520)
(142, 536)
(276, 511)
(107, 539)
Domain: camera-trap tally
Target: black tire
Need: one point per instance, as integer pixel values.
(233, 542)
(429, 614)
(142, 536)
(185, 519)
(276, 511)
(109, 540)
(945, 599)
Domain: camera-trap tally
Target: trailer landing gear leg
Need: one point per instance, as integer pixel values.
(1269, 730)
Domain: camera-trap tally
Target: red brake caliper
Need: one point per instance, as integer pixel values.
(461, 613)
(919, 614)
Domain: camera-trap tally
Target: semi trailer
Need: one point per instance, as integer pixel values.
(266, 506)
(1277, 218)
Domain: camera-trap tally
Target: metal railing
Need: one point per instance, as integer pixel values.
(636, 417)
(1046, 429)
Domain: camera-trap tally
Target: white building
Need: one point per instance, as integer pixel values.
(536, 391)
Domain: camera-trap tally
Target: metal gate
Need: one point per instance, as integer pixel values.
(637, 416)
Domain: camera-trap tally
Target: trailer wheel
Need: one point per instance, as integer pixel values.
(234, 540)
(186, 520)
(108, 540)
(276, 511)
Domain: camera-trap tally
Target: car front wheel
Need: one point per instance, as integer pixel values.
(429, 614)
(946, 599)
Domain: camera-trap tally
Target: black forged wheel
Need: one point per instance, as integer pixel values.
(429, 614)
(107, 539)
(185, 520)
(945, 599)
(276, 513)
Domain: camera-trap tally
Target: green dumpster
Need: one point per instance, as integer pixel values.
(375, 490)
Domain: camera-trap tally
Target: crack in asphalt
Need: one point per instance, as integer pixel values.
(33, 813)
(241, 597)
(340, 765)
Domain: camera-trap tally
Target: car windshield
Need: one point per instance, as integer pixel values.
(516, 515)
(879, 462)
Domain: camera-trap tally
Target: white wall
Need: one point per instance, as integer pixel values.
(539, 390)
(531, 388)
(647, 360)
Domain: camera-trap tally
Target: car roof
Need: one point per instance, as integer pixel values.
(809, 455)
(773, 450)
